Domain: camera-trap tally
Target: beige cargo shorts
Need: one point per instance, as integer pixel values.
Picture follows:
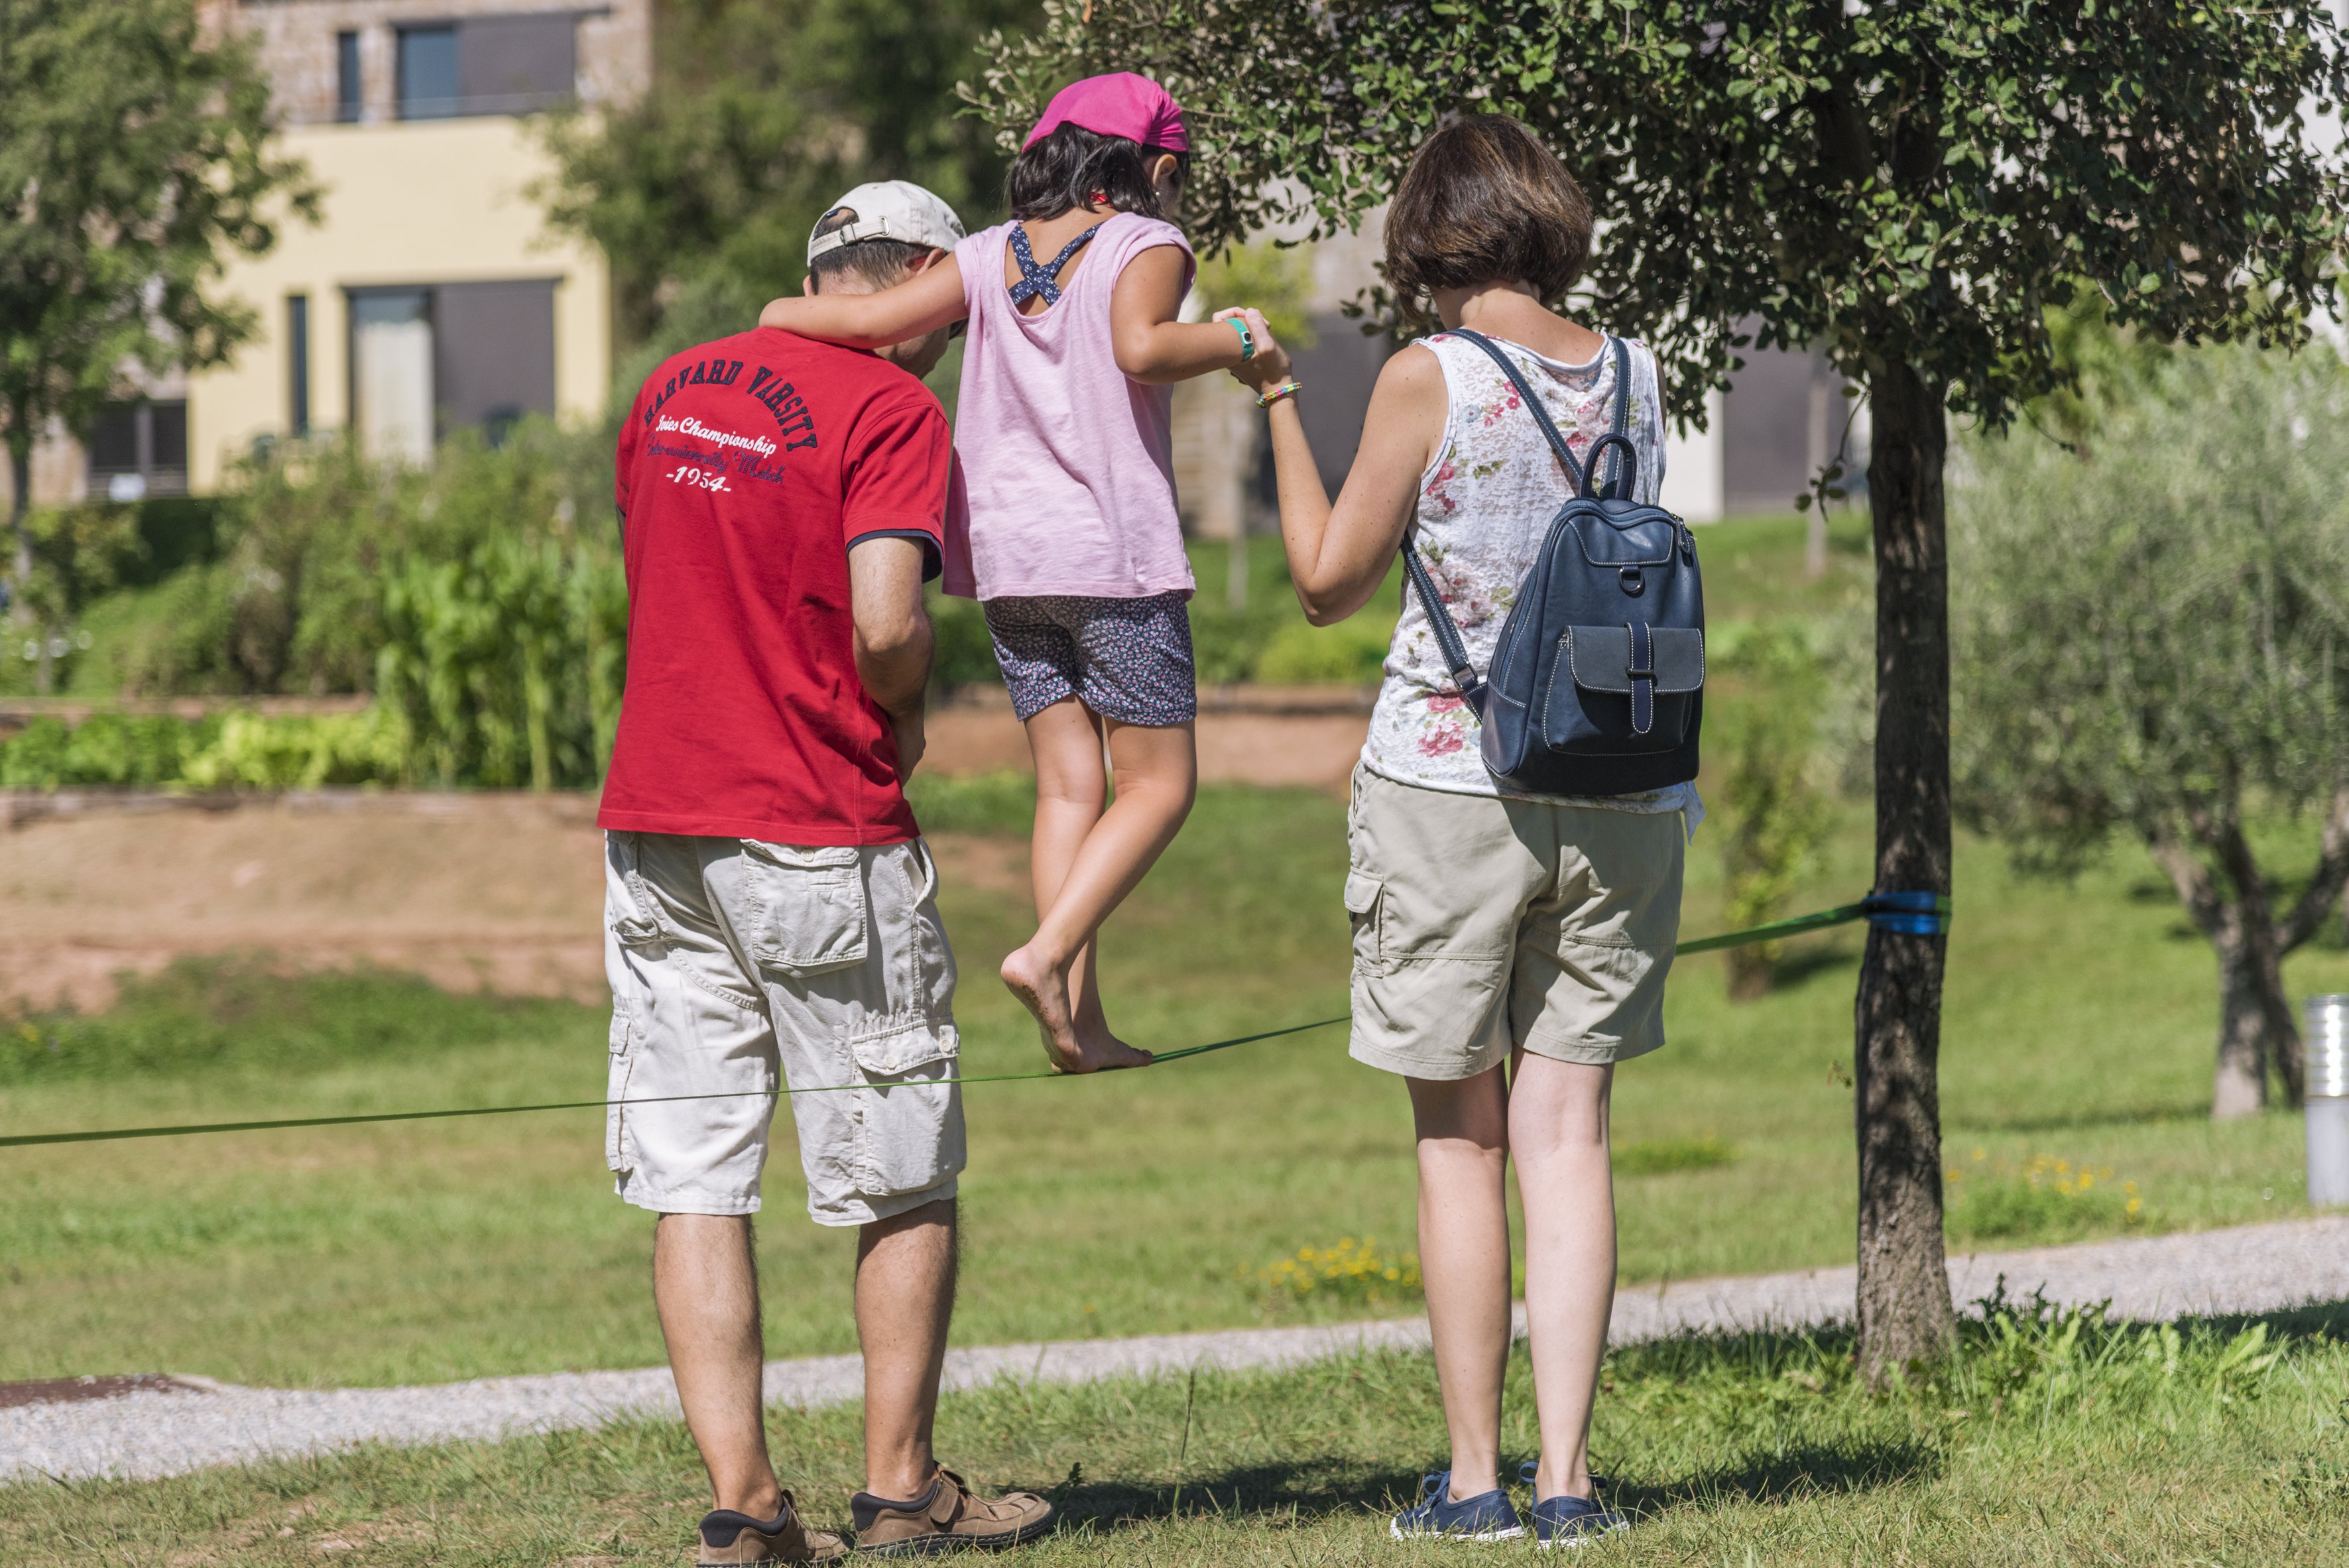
(738, 967)
(1480, 923)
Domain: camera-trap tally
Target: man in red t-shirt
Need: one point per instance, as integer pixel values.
(770, 906)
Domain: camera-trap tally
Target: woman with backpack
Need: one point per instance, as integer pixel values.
(1510, 940)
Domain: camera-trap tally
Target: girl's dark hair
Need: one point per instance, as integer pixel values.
(1064, 169)
(1483, 201)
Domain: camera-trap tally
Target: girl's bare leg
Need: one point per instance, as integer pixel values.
(1072, 790)
(1558, 1130)
(1157, 773)
(1463, 1128)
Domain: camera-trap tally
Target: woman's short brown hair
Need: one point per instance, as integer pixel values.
(1483, 201)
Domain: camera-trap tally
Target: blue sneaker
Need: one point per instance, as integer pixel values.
(1573, 1521)
(1490, 1517)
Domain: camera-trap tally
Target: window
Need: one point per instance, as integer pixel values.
(346, 77)
(297, 364)
(488, 64)
(139, 449)
(430, 85)
(424, 361)
(391, 373)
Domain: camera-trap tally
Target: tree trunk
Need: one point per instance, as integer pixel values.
(1904, 1284)
(20, 494)
(2231, 904)
(2246, 1014)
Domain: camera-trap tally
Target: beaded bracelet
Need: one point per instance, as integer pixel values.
(1271, 395)
(1248, 338)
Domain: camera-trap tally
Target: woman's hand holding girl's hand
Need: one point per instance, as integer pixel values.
(1270, 365)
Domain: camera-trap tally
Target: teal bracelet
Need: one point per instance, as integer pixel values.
(1248, 338)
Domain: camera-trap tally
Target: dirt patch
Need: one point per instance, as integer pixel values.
(475, 892)
(496, 892)
(68, 1390)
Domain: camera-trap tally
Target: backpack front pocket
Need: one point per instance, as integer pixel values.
(1629, 688)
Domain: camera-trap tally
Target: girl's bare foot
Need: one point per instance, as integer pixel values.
(1104, 1050)
(1044, 989)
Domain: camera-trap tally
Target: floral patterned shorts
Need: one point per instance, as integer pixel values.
(1127, 659)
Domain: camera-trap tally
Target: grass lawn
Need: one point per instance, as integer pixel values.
(2079, 1025)
(2044, 1443)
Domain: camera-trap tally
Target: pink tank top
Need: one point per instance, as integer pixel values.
(1067, 466)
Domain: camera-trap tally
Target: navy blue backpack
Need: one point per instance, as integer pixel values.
(1598, 684)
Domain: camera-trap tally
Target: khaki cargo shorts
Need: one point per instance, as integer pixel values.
(733, 963)
(1482, 923)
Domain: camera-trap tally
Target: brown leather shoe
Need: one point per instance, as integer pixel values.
(946, 1518)
(729, 1539)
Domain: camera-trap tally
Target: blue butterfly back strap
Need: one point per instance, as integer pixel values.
(1035, 280)
(1439, 619)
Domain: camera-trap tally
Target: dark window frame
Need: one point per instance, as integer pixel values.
(350, 83)
(297, 364)
(159, 479)
(404, 101)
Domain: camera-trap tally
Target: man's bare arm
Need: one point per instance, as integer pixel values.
(894, 639)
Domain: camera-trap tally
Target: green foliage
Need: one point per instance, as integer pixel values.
(106, 748)
(244, 1015)
(1276, 280)
(1909, 185)
(1765, 719)
(489, 620)
(2152, 634)
(134, 162)
(2155, 639)
(759, 115)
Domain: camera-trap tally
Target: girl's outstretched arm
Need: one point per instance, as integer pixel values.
(1339, 555)
(1150, 344)
(930, 299)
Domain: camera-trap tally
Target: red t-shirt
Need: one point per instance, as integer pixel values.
(747, 471)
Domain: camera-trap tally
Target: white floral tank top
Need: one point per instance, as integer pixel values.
(1485, 505)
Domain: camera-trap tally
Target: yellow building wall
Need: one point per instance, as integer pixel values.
(436, 202)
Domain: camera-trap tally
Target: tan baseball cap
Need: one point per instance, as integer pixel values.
(886, 210)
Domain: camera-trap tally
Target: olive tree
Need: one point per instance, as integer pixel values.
(134, 160)
(1910, 186)
(2154, 640)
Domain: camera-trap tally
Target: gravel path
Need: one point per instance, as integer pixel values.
(191, 1423)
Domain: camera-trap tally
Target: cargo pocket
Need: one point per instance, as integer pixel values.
(806, 906)
(1365, 908)
(909, 1131)
(619, 1149)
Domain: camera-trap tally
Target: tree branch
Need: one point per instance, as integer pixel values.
(2324, 885)
(2196, 890)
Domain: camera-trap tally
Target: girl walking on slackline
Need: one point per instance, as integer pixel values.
(1071, 537)
(1508, 950)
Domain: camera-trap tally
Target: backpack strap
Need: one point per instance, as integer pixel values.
(1448, 641)
(1439, 619)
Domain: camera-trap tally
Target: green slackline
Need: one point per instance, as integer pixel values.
(1839, 915)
